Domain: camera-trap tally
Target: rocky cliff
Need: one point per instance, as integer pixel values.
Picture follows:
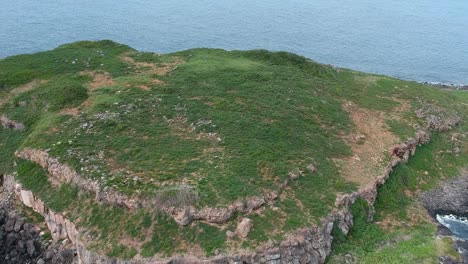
(309, 245)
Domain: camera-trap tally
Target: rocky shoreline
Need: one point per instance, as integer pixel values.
(451, 198)
(450, 86)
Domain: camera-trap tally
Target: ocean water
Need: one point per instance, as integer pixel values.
(423, 40)
(458, 225)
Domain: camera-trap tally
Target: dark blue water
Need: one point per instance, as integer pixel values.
(423, 40)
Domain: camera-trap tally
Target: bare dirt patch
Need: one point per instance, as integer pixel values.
(100, 79)
(147, 67)
(74, 111)
(28, 87)
(370, 145)
(22, 89)
(144, 87)
(159, 69)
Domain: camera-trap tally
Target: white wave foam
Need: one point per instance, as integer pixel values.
(458, 225)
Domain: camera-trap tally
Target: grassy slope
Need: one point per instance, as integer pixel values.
(402, 231)
(230, 124)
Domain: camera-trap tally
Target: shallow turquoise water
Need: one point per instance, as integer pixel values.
(424, 40)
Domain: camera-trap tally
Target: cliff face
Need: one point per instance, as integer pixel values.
(23, 242)
(309, 245)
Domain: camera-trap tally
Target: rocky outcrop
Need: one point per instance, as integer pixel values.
(11, 124)
(244, 227)
(308, 245)
(20, 243)
(450, 198)
(59, 226)
(183, 211)
(437, 118)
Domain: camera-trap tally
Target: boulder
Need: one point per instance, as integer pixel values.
(244, 227)
(18, 224)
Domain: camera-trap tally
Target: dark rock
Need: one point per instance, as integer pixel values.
(67, 256)
(450, 198)
(10, 225)
(11, 239)
(29, 228)
(49, 254)
(31, 247)
(20, 246)
(20, 242)
(447, 260)
(18, 224)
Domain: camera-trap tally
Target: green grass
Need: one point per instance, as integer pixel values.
(66, 59)
(34, 178)
(229, 124)
(370, 243)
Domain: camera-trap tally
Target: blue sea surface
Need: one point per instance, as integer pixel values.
(423, 40)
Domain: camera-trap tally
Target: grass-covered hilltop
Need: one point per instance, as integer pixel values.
(210, 153)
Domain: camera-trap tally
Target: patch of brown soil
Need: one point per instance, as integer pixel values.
(160, 69)
(147, 67)
(22, 89)
(370, 145)
(28, 87)
(144, 87)
(74, 111)
(100, 79)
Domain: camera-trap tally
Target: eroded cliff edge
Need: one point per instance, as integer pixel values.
(310, 245)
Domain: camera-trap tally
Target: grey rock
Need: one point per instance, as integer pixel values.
(272, 257)
(18, 224)
(30, 247)
(10, 225)
(49, 254)
(450, 198)
(11, 239)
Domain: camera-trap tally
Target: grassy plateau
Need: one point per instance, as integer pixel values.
(229, 125)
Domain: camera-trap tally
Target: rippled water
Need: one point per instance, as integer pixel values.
(424, 40)
(458, 225)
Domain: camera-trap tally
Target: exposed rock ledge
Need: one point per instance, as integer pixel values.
(307, 245)
(183, 213)
(10, 124)
(450, 198)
